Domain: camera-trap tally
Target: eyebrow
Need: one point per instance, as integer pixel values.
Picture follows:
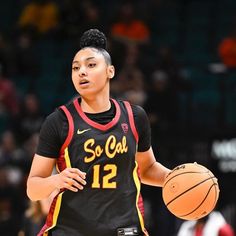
(89, 58)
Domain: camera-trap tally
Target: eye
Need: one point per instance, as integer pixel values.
(75, 68)
(91, 65)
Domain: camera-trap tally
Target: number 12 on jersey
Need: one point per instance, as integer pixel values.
(108, 172)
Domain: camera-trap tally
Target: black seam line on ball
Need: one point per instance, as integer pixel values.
(201, 202)
(189, 190)
(188, 172)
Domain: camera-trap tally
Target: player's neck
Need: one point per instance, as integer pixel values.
(95, 106)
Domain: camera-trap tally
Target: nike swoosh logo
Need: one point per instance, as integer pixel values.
(82, 131)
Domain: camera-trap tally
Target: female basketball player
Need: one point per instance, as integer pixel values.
(101, 148)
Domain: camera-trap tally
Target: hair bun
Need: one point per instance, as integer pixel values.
(93, 38)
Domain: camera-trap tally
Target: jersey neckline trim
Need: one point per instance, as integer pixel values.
(95, 124)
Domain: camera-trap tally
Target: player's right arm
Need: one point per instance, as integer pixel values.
(41, 184)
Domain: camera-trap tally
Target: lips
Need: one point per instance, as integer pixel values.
(83, 82)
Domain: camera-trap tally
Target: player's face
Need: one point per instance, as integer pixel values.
(90, 72)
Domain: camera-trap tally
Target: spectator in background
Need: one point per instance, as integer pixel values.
(30, 118)
(34, 217)
(11, 156)
(8, 97)
(9, 220)
(7, 58)
(162, 102)
(40, 17)
(129, 84)
(214, 224)
(12, 192)
(29, 148)
(128, 27)
(168, 81)
(78, 16)
(92, 16)
(27, 63)
(71, 15)
(167, 63)
(227, 50)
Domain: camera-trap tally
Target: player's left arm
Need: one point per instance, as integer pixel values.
(151, 171)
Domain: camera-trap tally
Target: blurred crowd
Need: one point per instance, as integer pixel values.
(147, 74)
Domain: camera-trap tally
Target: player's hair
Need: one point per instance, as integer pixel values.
(93, 38)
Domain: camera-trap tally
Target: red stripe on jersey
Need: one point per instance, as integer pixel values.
(131, 120)
(141, 205)
(49, 220)
(52, 215)
(42, 230)
(71, 128)
(140, 198)
(95, 124)
(61, 160)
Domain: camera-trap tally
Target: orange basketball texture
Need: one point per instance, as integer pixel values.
(190, 191)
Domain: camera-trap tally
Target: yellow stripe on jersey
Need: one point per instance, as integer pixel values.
(67, 158)
(138, 186)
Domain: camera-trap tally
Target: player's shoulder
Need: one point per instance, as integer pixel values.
(58, 115)
(54, 121)
(137, 109)
(139, 113)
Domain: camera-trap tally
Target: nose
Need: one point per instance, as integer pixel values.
(82, 71)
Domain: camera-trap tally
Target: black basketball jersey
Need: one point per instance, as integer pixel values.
(111, 198)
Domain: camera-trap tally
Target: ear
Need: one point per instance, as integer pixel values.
(110, 71)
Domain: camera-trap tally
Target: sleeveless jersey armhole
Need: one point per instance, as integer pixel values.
(131, 120)
(70, 129)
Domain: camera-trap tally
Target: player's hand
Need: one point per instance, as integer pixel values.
(72, 179)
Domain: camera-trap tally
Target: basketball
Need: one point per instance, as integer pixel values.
(190, 191)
